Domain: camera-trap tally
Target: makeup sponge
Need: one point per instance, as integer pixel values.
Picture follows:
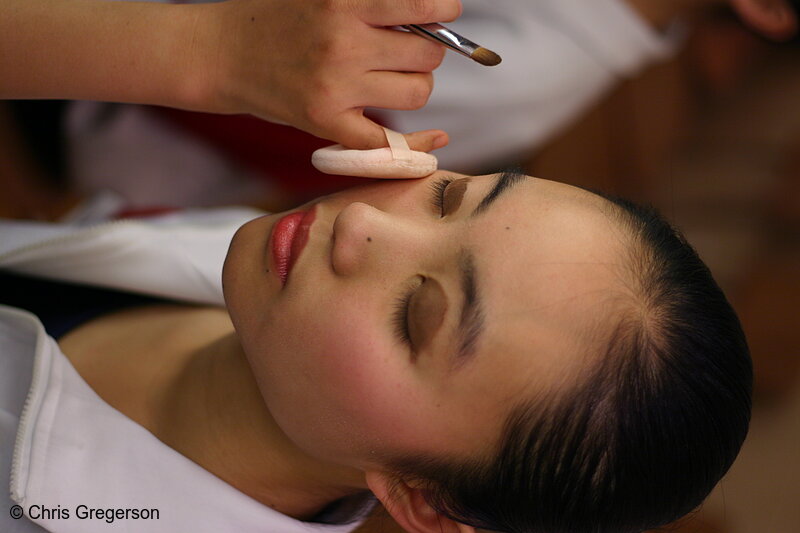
(397, 161)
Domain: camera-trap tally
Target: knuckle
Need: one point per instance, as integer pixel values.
(326, 46)
(432, 56)
(315, 113)
(328, 6)
(457, 8)
(434, 10)
(318, 103)
(337, 49)
(424, 10)
(450, 10)
(420, 91)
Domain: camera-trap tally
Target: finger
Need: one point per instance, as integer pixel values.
(356, 131)
(404, 52)
(394, 90)
(428, 140)
(397, 12)
(353, 130)
(773, 18)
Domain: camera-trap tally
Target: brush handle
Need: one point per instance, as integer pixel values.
(445, 36)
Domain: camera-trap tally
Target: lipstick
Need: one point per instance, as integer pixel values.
(289, 237)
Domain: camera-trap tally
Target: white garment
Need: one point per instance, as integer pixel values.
(70, 448)
(559, 57)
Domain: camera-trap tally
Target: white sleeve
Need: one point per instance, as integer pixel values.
(559, 57)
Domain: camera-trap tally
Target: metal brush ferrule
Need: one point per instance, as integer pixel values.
(445, 36)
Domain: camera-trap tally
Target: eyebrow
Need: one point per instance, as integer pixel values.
(472, 321)
(506, 181)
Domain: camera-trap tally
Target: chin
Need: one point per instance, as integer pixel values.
(242, 263)
(230, 267)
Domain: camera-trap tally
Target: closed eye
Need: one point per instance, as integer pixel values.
(401, 308)
(402, 303)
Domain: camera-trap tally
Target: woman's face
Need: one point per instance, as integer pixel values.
(504, 300)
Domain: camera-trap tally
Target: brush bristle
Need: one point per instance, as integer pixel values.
(486, 57)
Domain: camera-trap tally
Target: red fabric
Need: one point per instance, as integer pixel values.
(278, 153)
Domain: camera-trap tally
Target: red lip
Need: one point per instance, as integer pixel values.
(289, 237)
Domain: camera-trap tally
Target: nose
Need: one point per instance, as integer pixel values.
(368, 239)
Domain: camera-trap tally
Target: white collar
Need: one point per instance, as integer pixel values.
(74, 449)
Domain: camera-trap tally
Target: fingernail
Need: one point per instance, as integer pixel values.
(439, 141)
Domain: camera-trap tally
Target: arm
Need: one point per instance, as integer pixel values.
(313, 64)
(96, 50)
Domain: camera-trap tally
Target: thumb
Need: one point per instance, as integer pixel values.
(428, 140)
(358, 132)
(773, 18)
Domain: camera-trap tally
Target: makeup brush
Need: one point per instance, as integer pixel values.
(452, 40)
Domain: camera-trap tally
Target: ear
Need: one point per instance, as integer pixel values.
(408, 507)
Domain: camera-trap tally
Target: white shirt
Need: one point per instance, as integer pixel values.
(65, 450)
(559, 58)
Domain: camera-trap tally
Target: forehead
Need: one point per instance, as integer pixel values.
(548, 259)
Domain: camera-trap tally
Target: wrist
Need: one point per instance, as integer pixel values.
(217, 79)
(195, 64)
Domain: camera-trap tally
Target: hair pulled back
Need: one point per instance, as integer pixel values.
(644, 436)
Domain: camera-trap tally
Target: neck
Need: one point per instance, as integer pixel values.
(213, 413)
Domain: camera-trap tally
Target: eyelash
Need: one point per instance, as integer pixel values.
(400, 316)
(401, 307)
(401, 304)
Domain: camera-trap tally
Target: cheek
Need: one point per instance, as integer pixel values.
(362, 377)
(377, 398)
(331, 376)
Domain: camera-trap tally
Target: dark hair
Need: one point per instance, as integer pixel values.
(644, 436)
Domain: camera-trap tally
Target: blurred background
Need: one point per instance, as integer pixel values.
(711, 137)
